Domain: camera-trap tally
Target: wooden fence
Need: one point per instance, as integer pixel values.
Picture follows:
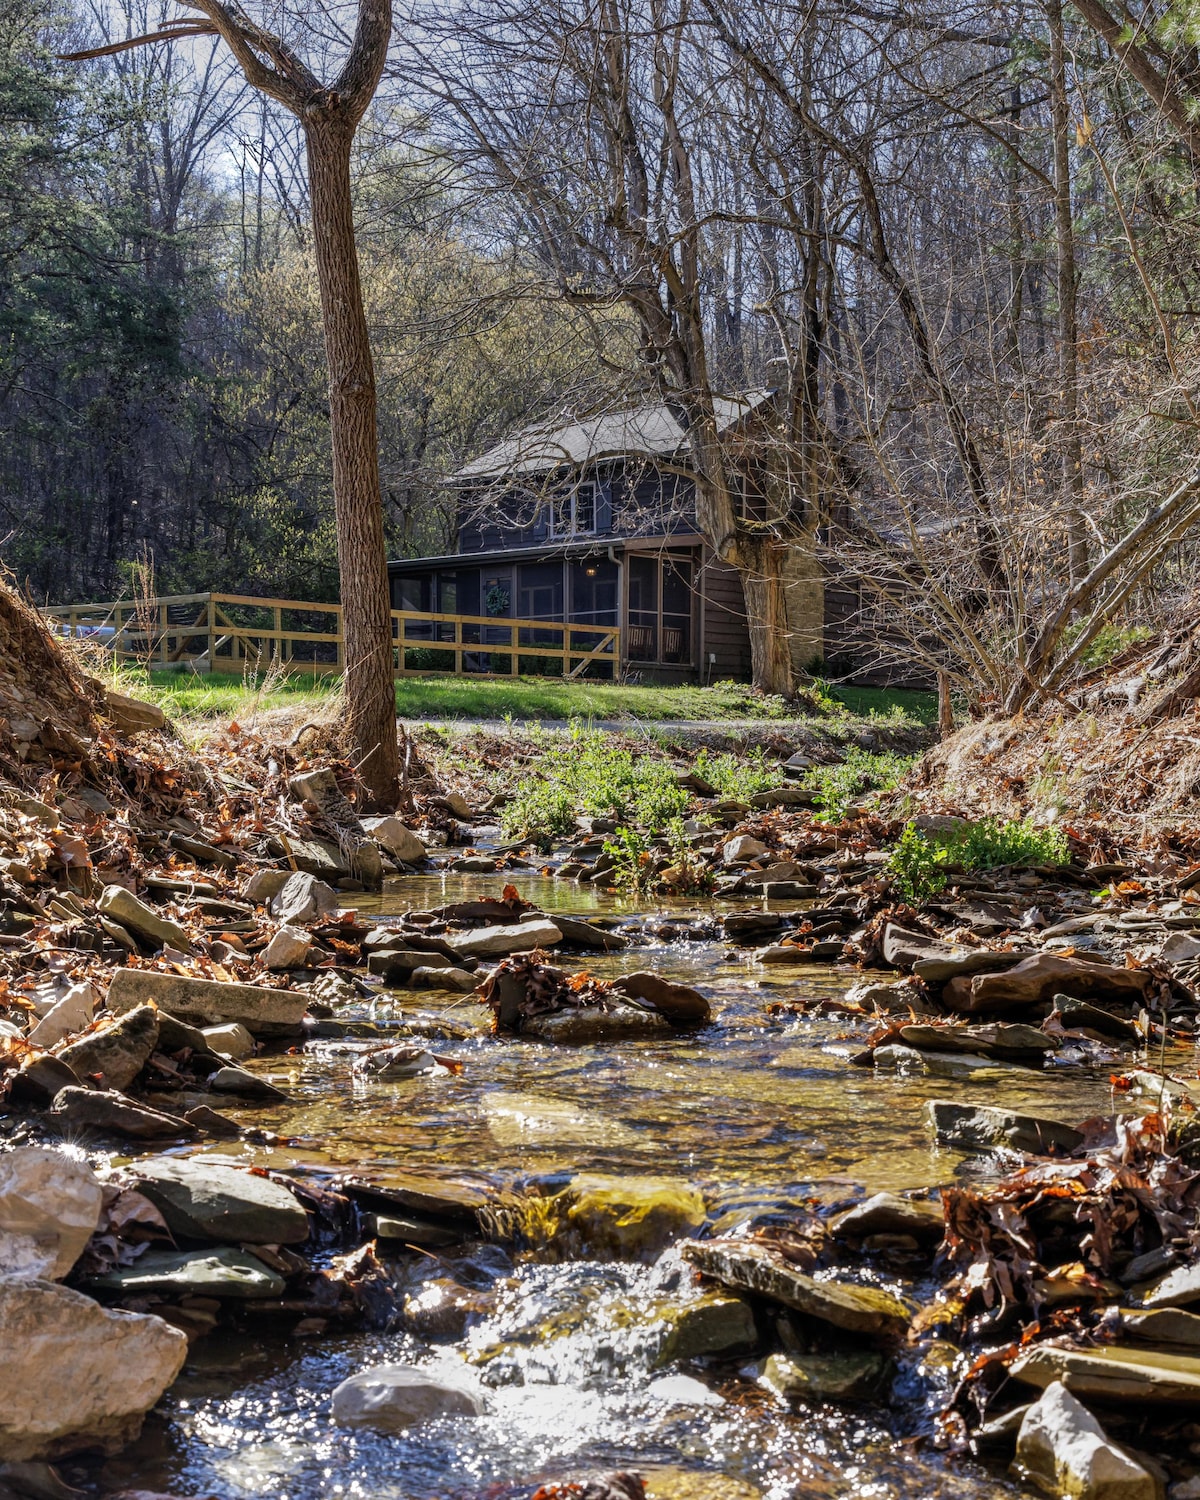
(239, 635)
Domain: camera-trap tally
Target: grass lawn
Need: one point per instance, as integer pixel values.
(522, 698)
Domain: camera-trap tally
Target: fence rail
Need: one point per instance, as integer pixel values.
(237, 634)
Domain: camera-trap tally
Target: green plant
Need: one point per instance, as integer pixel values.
(862, 771)
(632, 862)
(922, 861)
(737, 776)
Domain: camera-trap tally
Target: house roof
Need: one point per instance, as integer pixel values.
(653, 430)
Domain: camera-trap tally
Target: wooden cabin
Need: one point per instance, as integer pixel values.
(593, 523)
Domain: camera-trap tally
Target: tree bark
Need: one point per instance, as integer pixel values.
(762, 563)
(369, 694)
(1068, 340)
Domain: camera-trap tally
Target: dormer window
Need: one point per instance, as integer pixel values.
(574, 514)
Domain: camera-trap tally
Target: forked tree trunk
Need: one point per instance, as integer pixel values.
(370, 702)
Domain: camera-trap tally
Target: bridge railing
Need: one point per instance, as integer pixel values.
(238, 634)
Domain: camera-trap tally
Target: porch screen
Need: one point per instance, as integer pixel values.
(541, 598)
(660, 610)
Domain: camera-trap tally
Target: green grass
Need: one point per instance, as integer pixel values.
(889, 703)
(521, 698)
(924, 860)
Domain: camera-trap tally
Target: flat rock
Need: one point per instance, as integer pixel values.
(1035, 980)
(934, 961)
(627, 1218)
(933, 1064)
(432, 977)
(982, 1128)
(132, 715)
(49, 1209)
(887, 1213)
(245, 1084)
(143, 921)
(748, 1266)
(303, 898)
(1078, 1014)
(399, 841)
(39, 1081)
(1114, 1373)
(76, 1375)
(117, 1053)
(852, 1375)
(288, 949)
(264, 885)
(1063, 1449)
(513, 937)
(1180, 948)
(210, 1002)
(205, 1200)
(578, 1024)
(112, 1112)
(234, 1274)
(72, 1013)
(583, 935)
(678, 1002)
(743, 849)
(231, 1040)
(392, 1398)
(389, 1064)
(1180, 1287)
(1164, 1328)
(395, 964)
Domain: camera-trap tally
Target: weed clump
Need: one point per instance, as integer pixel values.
(836, 787)
(924, 859)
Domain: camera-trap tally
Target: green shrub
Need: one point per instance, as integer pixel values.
(837, 787)
(922, 861)
(632, 861)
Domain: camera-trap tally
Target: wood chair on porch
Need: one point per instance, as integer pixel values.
(641, 642)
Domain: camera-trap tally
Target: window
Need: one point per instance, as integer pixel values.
(574, 514)
(660, 610)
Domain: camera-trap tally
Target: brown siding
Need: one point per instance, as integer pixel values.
(725, 634)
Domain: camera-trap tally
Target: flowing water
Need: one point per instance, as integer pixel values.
(759, 1113)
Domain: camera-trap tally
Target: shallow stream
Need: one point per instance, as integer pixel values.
(757, 1112)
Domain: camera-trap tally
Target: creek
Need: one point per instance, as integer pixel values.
(760, 1113)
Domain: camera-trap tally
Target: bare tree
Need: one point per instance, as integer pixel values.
(330, 114)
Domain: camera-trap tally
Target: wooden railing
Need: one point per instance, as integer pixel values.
(237, 634)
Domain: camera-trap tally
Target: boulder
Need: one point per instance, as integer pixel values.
(288, 949)
(234, 1274)
(210, 1002)
(265, 885)
(108, 1111)
(743, 849)
(117, 1053)
(851, 1375)
(391, 1398)
(1129, 1376)
(400, 842)
(886, 1213)
(577, 1025)
(626, 1218)
(982, 1128)
(514, 937)
(1065, 1451)
(678, 1002)
(132, 715)
(231, 1040)
(206, 1200)
(1035, 980)
(71, 1014)
(75, 1375)
(303, 898)
(753, 1266)
(40, 1079)
(143, 921)
(712, 1324)
(49, 1209)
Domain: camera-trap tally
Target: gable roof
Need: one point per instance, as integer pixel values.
(649, 431)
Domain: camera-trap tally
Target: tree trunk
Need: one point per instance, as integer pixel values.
(1068, 340)
(368, 681)
(761, 562)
